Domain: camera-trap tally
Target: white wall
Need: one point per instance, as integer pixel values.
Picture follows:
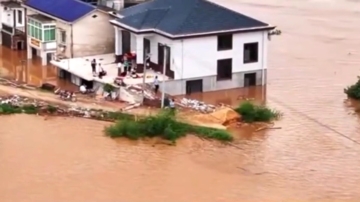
(197, 57)
(136, 44)
(21, 23)
(7, 16)
(154, 40)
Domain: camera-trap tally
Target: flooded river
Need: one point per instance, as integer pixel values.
(314, 157)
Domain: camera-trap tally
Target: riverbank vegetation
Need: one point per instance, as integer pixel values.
(162, 125)
(256, 113)
(6, 109)
(353, 91)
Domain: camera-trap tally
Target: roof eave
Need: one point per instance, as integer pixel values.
(170, 36)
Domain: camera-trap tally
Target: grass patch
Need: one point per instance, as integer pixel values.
(253, 113)
(162, 125)
(117, 116)
(51, 109)
(30, 109)
(10, 109)
(353, 91)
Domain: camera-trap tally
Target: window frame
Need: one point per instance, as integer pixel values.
(222, 44)
(221, 74)
(40, 31)
(62, 34)
(248, 60)
(19, 15)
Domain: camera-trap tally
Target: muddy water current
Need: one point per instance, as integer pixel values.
(314, 157)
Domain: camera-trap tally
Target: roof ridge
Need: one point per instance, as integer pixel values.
(143, 20)
(87, 4)
(185, 20)
(167, 10)
(230, 10)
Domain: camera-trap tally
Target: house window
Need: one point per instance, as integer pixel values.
(34, 29)
(44, 33)
(62, 36)
(20, 16)
(49, 33)
(224, 69)
(251, 52)
(225, 42)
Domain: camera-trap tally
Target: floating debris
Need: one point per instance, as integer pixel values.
(197, 105)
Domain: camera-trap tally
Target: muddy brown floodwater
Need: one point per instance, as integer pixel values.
(314, 157)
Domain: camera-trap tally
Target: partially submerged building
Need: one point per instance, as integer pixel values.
(67, 29)
(12, 17)
(208, 47)
(191, 45)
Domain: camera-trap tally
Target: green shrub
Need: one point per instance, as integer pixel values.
(353, 91)
(252, 113)
(9, 109)
(51, 109)
(163, 125)
(30, 109)
(108, 88)
(118, 116)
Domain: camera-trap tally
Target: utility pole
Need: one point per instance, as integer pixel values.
(144, 75)
(163, 77)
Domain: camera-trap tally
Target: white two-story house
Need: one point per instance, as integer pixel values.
(12, 17)
(67, 29)
(208, 47)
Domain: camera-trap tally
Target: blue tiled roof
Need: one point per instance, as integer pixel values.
(181, 17)
(67, 10)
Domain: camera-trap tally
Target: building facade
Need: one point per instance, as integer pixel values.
(54, 32)
(217, 62)
(12, 17)
(203, 46)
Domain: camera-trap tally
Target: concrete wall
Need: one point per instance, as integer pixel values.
(67, 28)
(93, 36)
(210, 83)
(197, 57)
(7, 16)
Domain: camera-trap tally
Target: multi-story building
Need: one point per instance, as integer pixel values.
(202, 45)
(67, 29)
(12, 17)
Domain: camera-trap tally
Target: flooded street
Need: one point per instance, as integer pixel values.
(314, 157)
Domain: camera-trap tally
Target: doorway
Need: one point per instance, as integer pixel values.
(19, 45)
(194, 86)
(88, 84)
(126, 43)
(250, 79)
(65, 75)
(33, 51)
(49, 57)
(147, 46)
(6, 39)
(161, 54)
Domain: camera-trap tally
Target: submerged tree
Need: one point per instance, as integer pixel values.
(353, 91)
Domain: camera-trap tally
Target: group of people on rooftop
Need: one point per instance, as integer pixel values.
(101, 72)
